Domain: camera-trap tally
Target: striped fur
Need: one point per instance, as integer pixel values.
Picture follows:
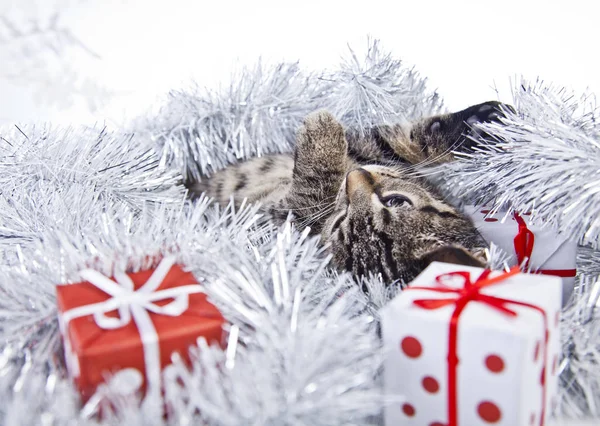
(358, 192)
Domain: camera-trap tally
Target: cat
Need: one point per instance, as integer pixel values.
(359, 191)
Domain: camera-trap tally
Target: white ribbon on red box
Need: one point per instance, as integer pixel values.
(130, 303)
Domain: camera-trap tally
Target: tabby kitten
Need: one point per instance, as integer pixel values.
(358, 191)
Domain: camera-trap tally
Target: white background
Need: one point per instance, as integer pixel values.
(146, 48)
(464, 47)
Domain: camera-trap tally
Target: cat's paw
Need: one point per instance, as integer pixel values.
(452, 254)
(462, 126)
(487, 112)
(322, 135)
(320, 120)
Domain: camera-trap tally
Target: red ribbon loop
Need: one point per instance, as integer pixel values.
(467, 292)
(523, 242)
(434, 303)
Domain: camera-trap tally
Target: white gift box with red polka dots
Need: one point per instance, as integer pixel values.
(551, 251)
(503, 362)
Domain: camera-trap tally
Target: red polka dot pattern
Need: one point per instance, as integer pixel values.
(490, 219)
(430, 384)
(437, 424)
(408, 409)
(494, 363)
(411, 347)
(489, 412)
(527, 214)
(485, 211)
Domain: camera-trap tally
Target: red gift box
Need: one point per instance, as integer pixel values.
(133, 321)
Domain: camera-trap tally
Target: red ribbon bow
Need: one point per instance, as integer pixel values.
(523, 243)
(472, 292)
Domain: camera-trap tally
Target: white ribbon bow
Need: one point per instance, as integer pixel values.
(136, 304)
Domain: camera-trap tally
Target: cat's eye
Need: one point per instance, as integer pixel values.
(396, 200)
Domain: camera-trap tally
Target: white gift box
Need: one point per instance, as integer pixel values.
(551, 254)
(506, 373)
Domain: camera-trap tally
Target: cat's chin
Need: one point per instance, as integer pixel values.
(455, 255)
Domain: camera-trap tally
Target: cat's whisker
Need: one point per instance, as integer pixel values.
(312, 219)
(416, 169)
(434, 158)
(316, 217)
(326, 201)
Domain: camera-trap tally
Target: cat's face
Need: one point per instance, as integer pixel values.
(385, 222)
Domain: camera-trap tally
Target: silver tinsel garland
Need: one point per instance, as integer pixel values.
(65, 178)
(199, 131)
(303, 346)
(377, 89)
(580, 366)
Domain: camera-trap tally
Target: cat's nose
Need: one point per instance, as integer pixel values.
(359, 182)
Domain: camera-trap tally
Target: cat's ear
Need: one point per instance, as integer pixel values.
(454, 254)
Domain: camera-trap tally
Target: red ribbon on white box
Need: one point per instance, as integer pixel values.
(524, 241)
(136, 304)
(471, 291)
